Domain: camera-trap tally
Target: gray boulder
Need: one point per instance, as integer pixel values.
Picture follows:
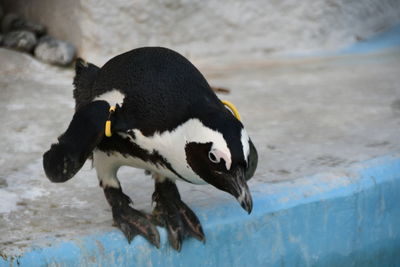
(20, 40)
(54, 51)
(12, 22)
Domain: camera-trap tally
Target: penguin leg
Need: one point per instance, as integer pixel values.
(64, 159)
(129, 220)
(170, 212)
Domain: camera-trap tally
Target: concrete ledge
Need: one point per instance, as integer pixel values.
(328, 219)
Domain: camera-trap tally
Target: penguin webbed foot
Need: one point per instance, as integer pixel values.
(129, 220)
(173, 214)
(133, 222)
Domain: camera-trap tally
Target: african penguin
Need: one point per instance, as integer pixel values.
(167, 121)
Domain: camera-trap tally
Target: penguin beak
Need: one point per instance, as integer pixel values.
(236, 186)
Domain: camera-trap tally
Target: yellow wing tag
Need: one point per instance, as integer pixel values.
(231, 108)
(107, 130)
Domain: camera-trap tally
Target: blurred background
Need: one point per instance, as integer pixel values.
(210, 30)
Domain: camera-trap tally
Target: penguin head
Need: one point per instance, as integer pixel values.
(225, 158)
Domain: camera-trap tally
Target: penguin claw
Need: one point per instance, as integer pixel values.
(132, 222)
(192, 223)
(179, 220)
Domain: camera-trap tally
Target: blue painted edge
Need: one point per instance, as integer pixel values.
(321, 220)
(383, 40)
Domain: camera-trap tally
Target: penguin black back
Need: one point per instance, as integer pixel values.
(157, 75)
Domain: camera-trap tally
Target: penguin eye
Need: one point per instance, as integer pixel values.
(213, 158)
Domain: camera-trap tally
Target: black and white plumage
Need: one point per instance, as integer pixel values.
(169, 122)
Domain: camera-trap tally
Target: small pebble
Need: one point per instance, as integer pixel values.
(54, 51)
(20, 40)
(12, 22)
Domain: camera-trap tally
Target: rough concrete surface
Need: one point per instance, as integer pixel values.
(305, 116)
(208, 29)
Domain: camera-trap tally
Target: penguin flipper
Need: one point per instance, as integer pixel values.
(65, 158)
(85, 75)
(253, 161)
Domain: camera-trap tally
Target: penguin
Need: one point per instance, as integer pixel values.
(162, 117)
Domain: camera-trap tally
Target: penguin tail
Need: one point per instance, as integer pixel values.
(85, 75)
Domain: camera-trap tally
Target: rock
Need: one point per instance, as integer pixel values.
(1, 39)
(12, 22)
(54, 51)
(9, 21)
(20, 40)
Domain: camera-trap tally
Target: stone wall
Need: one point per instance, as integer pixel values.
(210, 29)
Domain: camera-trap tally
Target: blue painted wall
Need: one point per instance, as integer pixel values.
(322, 220)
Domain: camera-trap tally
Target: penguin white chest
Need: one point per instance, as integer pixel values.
(163, 154)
